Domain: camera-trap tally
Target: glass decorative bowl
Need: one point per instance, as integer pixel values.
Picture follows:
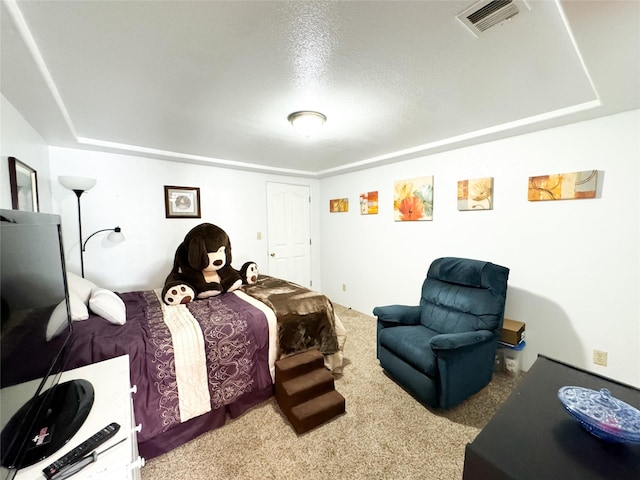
(602, 415)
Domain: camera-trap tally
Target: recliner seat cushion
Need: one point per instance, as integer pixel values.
(411, 344)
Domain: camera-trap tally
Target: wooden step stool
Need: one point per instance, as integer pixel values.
(305, 391)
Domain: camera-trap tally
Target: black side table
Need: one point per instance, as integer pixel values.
(532, 437)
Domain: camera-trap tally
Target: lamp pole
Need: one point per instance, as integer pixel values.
(78, 194)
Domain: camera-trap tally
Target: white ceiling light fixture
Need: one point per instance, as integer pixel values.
(307, 122)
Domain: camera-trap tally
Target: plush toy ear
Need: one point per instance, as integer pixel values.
(198, 258)
(221, 238)
(228, 251)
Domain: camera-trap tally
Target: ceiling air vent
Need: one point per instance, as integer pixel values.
(486, 14)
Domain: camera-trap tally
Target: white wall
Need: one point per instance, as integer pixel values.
(575, 266)
(130, 193)
(18, 139)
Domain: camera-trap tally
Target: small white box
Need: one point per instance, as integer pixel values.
(512, 358)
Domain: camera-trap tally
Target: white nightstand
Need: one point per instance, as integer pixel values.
(113, 403)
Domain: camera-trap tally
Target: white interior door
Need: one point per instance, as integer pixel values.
(289, 232)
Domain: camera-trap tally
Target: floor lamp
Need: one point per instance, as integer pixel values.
(79, 185)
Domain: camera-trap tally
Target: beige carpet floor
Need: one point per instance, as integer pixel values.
(384, 434)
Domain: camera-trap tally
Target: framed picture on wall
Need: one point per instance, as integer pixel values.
(563, 186)
(24, 186)
(413, 199)
(369, 203)
(475, 194)
(182, 202)
(339, 205)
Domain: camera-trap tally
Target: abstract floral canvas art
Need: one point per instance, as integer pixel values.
(339, 205)
(413, 199)
(369, 203)
(563, 186)
(476, 194)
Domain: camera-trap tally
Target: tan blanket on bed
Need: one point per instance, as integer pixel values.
(305, 318)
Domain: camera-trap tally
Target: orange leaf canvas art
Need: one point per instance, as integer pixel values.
(413, 199)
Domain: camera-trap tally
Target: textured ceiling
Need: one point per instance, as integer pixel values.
(213, 82)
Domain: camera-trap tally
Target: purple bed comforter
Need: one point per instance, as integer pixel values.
(236, 348)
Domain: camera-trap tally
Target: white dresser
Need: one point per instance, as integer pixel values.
(113, 403)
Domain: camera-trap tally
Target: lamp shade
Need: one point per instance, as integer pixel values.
(77, 183)
(307, 123)
(116, 236)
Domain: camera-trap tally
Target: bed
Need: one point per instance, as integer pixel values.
(195, 365)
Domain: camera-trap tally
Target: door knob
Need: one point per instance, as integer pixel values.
(272, 254)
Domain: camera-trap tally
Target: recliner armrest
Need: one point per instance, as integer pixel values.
(450, 341)
(398, 314)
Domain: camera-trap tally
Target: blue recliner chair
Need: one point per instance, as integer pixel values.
(443, 350)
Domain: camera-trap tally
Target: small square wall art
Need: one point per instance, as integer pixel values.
(476, 194)
(369, 203)
(182, 202)
(413, 199)
(563, 186)
(339, 205)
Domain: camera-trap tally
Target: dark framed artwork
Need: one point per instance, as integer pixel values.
(182, 202)
(24, 186)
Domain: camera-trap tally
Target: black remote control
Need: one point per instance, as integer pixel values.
(86, 447)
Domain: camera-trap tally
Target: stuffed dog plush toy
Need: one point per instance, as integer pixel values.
(201, 267)
(249, 273)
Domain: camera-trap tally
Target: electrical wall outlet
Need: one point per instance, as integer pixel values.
(344, 287)
(600, 357)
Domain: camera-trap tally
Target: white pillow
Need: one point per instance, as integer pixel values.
(108, 305)
(58, 318)
(78, 309)
(57, 321)
(80, 286)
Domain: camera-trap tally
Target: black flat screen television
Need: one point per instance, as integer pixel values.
(38, 413)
